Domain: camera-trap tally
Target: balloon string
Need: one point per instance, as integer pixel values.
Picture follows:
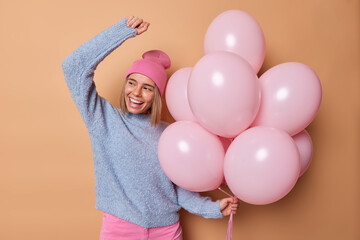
(225, 192)
(230, 224)
(229, 231)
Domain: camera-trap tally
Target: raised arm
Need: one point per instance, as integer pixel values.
(80, 65)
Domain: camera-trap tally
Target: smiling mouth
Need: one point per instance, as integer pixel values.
(135, 101)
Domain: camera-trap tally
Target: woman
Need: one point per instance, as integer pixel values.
(137, 198)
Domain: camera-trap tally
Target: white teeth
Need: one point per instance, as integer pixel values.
(134, 101)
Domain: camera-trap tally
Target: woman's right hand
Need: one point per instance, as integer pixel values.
(138, 24)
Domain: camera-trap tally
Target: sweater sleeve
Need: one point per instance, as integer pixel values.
(196, 204)
(80, 65)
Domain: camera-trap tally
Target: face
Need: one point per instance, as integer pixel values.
(139, 93)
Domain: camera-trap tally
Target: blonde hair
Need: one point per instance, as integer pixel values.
(154, 110)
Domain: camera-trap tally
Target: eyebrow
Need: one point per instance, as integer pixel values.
(149, 85)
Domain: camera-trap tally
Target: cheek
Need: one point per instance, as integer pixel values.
(129, 90)
(148, 97)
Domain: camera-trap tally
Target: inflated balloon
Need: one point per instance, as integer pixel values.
(238, 32)
(262, 165)
(176, 95)
(290, 97)
(305, 146)
(224, 93)
(191, 157)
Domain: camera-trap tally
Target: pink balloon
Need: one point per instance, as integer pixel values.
(290, 97)
(191, 157)
(236, 31)
(305, 146)
(176, 95)
(224, 93)
(262, 165)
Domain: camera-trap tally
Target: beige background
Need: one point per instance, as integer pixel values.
(46, 170)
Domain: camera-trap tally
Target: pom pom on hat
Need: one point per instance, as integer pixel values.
(159, 57)
(153, 65)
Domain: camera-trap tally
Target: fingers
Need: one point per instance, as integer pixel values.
(225, 202)
(131, 20)
(229, 206)
(134, 22)
(234, 207)
(138, 24)
(143, 27)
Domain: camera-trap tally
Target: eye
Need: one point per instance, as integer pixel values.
(148, 88)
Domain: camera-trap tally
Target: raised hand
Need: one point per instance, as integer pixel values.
(138, 24)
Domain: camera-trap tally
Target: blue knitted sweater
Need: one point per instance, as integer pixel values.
(130, 183)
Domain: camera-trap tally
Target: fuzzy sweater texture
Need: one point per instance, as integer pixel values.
(130, 183)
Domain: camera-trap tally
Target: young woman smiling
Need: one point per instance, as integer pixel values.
(141, 95)
(137, 198)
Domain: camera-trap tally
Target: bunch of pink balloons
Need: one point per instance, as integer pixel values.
(232, 125)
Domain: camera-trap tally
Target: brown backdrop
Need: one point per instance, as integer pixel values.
(46, 170)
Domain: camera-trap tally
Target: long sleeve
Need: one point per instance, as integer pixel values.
(196, 204)
(80, 65)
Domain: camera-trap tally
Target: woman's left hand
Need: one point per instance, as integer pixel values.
(228, 206)
(138, 24)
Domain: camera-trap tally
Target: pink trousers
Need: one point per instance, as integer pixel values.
(114, 228)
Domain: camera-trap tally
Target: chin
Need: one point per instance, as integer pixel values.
(137, 111)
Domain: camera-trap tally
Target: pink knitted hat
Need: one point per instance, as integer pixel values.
(153, 66)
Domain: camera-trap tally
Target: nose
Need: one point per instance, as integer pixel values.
(137, 91)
